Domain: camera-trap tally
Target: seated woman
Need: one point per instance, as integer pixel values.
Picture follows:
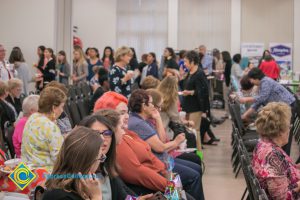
(63, 121)
(109, 124)
(80, 155)
(7, 185)
(14, 92)
(133, 152)
(29, 106)
(142, 109)
(42, 138)
(7, 111)
(275, 170)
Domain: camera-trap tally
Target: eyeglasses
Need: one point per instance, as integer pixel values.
(157, 107)
(102, 158)
(106, 133)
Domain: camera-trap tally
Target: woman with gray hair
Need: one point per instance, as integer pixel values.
(29, 106)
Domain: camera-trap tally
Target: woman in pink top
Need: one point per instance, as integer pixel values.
(275, 170)
(29, 106)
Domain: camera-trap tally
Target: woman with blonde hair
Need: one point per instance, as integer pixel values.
(275, 170)
(120, 76)
(14, 92)
(169, 108)
(80, 66)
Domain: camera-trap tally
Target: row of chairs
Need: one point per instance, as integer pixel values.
(253, 189)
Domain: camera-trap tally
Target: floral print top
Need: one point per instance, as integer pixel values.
(115, 75)
(275, 171)
(41, 142)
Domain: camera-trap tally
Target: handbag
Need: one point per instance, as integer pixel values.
(179, 128)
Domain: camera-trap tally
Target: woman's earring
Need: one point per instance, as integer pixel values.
(53, 116)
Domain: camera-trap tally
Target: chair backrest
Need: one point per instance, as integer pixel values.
(82, 108)
(86, 89)
(74, 112)
(8, 132)
(238, 119)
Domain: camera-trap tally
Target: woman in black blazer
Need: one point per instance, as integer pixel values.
(49, 70)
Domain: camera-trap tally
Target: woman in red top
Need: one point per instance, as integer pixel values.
(133, 152)
(270, 67)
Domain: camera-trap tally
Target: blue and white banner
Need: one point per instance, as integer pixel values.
(282, 53)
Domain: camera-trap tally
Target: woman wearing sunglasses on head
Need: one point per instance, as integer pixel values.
(80, 157)
(108, 124)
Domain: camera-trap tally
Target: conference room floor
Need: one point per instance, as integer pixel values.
(218, 179)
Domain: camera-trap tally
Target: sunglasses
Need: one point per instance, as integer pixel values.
(102, 158)
(106, 133)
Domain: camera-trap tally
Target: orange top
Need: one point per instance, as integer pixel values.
(138, 165)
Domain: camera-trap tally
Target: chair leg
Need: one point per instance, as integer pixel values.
(238, 171)
(244, 194)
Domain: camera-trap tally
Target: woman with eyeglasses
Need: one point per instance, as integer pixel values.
(108, 124)
(149, 174)
(79, 158)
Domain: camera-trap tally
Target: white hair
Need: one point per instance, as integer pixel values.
(30, 104)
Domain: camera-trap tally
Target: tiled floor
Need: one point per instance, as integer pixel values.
(218, 179)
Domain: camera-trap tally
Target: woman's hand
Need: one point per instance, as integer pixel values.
(74, 78)
(155, 114)
(179, 138)
(297, 189)
(187, 92)
(91, 186)
(145, 197)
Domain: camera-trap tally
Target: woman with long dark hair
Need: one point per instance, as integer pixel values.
(48, 73)
(63, 67)
(108, 57)
(171, 67)
(93, 61)
(17, 59)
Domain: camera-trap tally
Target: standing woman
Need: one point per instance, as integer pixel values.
(63, 67)
(49, 70)
(16, 58)
(196, 93)
(171, 67)
(227, 74)
(41, 64)
(152, 65)
(80, 66)
(93, 61)
(108, 57)
(120, 78)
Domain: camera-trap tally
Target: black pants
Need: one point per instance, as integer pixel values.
(287, 147)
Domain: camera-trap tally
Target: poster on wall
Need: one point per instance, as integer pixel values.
(252, 51)
(282, 53)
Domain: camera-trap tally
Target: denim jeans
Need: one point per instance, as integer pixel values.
(191, 177)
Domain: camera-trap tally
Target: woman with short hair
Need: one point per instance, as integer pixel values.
(275, 170)
(42, 139)
(120, 76)
(14, 93)
(29, 106)
(7, 111)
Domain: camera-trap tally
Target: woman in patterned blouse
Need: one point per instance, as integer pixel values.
(276, 172)
(42, 138)
(120, 78)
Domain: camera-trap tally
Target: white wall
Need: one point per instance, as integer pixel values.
(267, 21)
(96, 21)
(296, 36)
(204, 22)
(27, 24)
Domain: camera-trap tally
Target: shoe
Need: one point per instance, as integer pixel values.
(216, 139)
(210, 142)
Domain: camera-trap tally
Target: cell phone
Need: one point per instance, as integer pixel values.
(157, 196)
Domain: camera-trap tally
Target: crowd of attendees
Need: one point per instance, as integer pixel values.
(142, 114)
